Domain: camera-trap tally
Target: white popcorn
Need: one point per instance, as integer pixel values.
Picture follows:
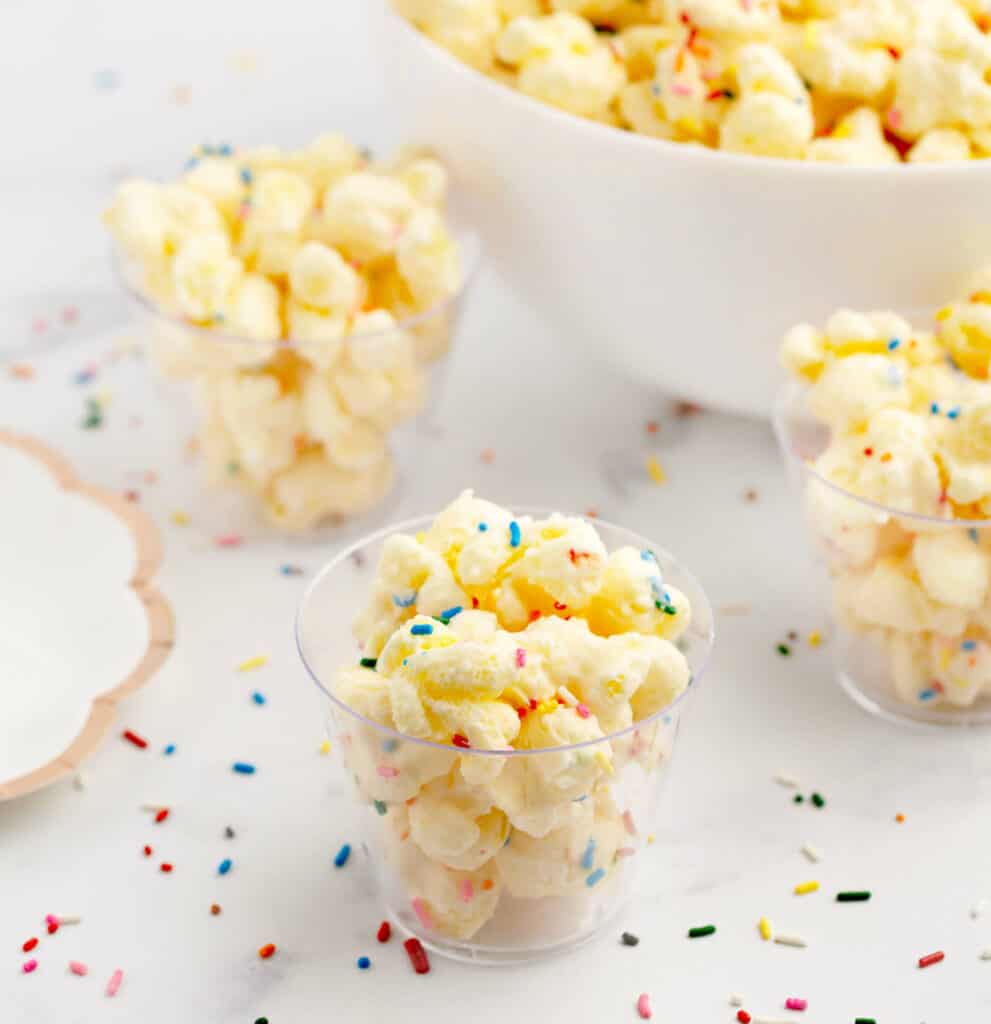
(428, 259)
(205, 275)
(319, 277)
(364, 215)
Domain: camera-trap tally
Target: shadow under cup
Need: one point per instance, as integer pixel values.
(904, 646)
(496, 856)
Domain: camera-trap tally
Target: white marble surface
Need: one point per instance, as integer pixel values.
(564, 433)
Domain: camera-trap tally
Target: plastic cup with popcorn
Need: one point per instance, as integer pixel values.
(886, 431)
(508, 718)
(301, 302)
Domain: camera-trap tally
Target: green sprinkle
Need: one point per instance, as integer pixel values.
(798, 798)
(701, 931)
(368, 662)
(860, 896)
(818, 800)
(381, 808)
(94, 415)
(865, 1020)
(668, 609)
(784, 650)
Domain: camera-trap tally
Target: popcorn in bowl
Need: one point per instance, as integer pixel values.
(510, 717)
(303, 296)
(850, 81)
(888, 431)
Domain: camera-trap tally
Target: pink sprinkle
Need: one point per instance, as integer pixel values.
(796, 1004)
(113, 985)
(28, 966)
(78, 968)
(643, 1006)
(628, 822)
(51, 919)
(625, 851)
(894, 119)
(39, 325)
(70, 315)
(422, 912)
(747, 5)
(583, 711)
(680, 89)
(230, 540)
(467, 890)
(387, 771)
(520, 657)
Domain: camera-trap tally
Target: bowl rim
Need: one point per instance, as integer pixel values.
(470, 249)
(789, 396)
(685, 151)
(707, 637)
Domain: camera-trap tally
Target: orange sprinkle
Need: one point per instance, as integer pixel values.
(22, 371)
(899, 818)
(886, 457)
(215, 909)
(487, 884)
(267, 950)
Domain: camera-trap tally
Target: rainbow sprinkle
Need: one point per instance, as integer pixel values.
(514, 534)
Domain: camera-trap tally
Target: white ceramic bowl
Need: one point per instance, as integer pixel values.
(681, 264)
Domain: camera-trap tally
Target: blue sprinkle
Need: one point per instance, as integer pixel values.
(84, 376)
(404, 602)
(647, 556)
(451, 612)
(482, 527)
(893, 344)
(655, 89)
(291, 570)
(389, 745)
(595, 877)
(927, 694)
(580, 799)
(342, 856)
(225, 149)
(258, 698)
(106, 79)
(364, 963)
(588, 857)
(190, 163)
(225, 865)
(380, 807)
(421, 629)
(246, 176)
(169, 750)
(969, 645)
(243, 768)
(514, 534)
(934, 408)
(952, 414)
(972, 533)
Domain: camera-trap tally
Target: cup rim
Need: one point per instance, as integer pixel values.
(687, 151)
(470, 247)
(788, 397)
(419, 522)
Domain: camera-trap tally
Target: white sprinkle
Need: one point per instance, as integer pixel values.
(735, 609)
(977, 908)
(788, 781)
(79, 780)
(567, 696)
(986, 953)
(154, 807)
(68, 918)
(736, 999)
(812, 853)
(790, 940)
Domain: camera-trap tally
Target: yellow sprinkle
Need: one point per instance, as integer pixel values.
(252, 663)
(420, 536)
(438, 641)
(180, 519)
(765, 928)
(654, 470)
(604, 763)
(945, 313)
(614, 687)
(944, 659)
(325, 747)
(650, 839)
(811, 34)
(815, 638)
(804, 887)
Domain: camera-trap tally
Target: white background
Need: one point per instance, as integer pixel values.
(565, 433)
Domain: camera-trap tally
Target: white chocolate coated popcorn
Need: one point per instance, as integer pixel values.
(294, 271)
(899, 496)
(507, 652)
(856, 82)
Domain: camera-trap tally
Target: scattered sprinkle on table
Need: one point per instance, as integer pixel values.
(267, 950)
(986, 953)
(765, 929)
(258, 698)
(342, 856)
(629, 939)
(224, 866)
(643, 1007)
(165, 867)
(147, 851)
(853, 896)
(228, 832)
(417, 956)
(794, 1003)
(900, 818)
(814, 638)
(798, 798)
(113, 985)
(325, 747)
(791, 940)
(812, 853)
(229, 540)
(243, 768)
(655, 471)
(29, 966)
(931, 958)
(180, 518)
(214, 909)
(29, 945)
(133, 737)
(262, 1020)
(864, 1020)
(806, 887)
(742, 1016)
(736, 999)
(52, 927)
(385, 932)
(252, 663)
(364, 963)
(169, 750)
(818, 800)
(161, 815)
(701, 931)
(291, 570)
(78, 968)
(788, 781)
(783, 649)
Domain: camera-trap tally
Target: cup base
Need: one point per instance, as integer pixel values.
(892, 709)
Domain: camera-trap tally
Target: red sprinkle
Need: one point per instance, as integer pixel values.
(133, 737)
(29, 945)
(559, 607)
(166, 867)
(931, 958)
(417, 956)
(522, 712)
(147, 851)
(162, 814)
(474, 602)
(460, 741)
(385, 932)
(743, 1017)
(52, 927)
(267, 950)
(868, 452)
(535, 614)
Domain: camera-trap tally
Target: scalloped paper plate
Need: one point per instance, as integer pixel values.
(81, 624)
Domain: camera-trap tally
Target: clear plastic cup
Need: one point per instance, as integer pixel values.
(248, 470)
(511, 895)
(900, 652)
